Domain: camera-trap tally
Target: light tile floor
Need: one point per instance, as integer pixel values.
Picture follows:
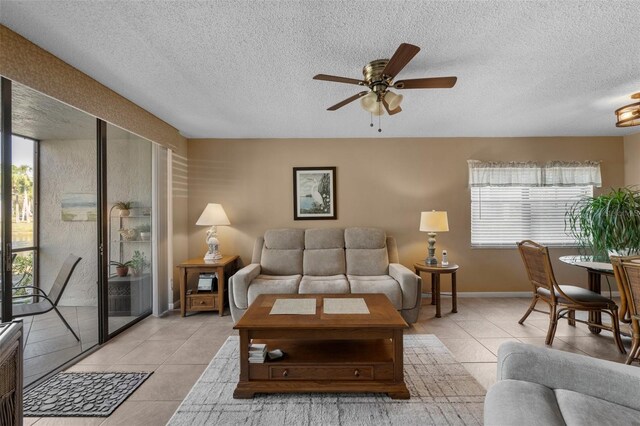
(48, 343)
(179, 349)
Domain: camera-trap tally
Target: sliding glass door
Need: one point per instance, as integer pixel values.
(53, 220)
(129, 227)
(78, 225)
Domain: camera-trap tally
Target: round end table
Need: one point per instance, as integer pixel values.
(436, 271)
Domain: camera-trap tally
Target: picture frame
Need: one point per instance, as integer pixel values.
(314, 193)
(78, 207)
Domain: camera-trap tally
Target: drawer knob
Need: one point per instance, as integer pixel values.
(202, 302)
(356, 373)
(285, 373)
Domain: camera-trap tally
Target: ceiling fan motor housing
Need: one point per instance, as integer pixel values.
(373, 75)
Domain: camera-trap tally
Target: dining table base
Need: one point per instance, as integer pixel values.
(594, 282)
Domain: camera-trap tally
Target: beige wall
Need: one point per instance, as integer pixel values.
(24, 62)
(632, 159)
(384, 183)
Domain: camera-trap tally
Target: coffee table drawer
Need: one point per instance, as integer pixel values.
(356, 372)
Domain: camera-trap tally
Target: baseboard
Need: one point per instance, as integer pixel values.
(503, 294)
(174, 305)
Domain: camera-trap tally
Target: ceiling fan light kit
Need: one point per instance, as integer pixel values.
(629, 115)
(378, 77)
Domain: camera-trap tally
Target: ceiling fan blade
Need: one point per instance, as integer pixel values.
(337, 79)
(427, 83)
(386, 106)
(347, 101)
(400, 59)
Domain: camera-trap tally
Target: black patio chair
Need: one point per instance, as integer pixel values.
(51, 300)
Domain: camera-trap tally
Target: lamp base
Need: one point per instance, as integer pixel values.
(431, 261)
(216, 255)
(431, 257)
(212, 242)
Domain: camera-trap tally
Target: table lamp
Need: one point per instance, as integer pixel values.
(433, 222)
(213, 215)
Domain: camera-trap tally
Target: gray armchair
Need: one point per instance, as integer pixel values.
(541, 386)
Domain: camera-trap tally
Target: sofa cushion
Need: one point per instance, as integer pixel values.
(364, 238)
(366, 251)
(334, 284)
(284, 239)
(324, 238)
(581, 409)
(282, 251)
(367, 261)
(377, 284)
(324, 262)
(281, 262)
(515, 402)
(273, 284)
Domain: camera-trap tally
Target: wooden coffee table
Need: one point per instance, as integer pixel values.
(324, 353)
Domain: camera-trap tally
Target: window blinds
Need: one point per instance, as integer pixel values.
(504, 215)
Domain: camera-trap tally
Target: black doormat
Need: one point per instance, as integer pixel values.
(81, 394)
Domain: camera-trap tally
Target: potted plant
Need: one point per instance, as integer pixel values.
(608, 224)
(144, 231)
(122, 269)
(138, 262)
(124, 207)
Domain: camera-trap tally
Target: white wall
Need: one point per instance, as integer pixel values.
(67, 166)
(632, 160)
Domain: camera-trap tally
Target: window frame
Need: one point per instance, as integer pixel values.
(529, 222)
(35, 247)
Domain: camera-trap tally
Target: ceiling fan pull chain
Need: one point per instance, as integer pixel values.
(379, 115)
(371, 117)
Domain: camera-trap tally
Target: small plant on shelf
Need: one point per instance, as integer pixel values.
(122, 269)
(124, 207)
(139, 262)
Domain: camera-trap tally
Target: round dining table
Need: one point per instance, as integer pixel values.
(595, 271)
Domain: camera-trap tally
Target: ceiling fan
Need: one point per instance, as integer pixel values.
(378, 77)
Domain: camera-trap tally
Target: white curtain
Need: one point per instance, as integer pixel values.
(574, 173)
(553, 173)
(482, 173)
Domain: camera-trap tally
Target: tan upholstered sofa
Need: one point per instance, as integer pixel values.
(334, 261)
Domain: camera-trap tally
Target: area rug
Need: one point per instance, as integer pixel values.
(442, 392)
(81, 394)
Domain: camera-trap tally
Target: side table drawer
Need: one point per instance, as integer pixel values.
(356, 372)
(202, 302)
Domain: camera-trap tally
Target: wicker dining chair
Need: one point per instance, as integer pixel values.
(630, 280)
(563, 300)
(624, 311)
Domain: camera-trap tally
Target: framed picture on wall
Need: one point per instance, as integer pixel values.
(314, 193)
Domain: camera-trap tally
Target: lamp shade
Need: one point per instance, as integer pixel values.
(393, 100)
(628, 115)
(369, 102)
(434, 221)
(213, 215)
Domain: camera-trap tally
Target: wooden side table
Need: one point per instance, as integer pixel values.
(436, 271)
(204, 301)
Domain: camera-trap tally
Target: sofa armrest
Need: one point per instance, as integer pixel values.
(613, 382)
(240, 281)
(410, 284)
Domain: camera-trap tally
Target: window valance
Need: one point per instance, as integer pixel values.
(552, 173)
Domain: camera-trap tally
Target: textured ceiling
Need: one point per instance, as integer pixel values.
(243, 69)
